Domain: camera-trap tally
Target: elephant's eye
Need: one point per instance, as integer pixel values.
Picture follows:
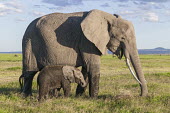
(123, 38)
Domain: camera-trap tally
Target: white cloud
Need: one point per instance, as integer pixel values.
(149, 4)
(127, 12)
(20, 19)
(2, 6)
(2, 13)
(13, 4)
(37, 13)
(151, 17)
(167, 12)
(9, 8)
(18, 10)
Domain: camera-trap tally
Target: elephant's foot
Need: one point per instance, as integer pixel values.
(144, 91)
(28, 78)
(25, 95)
(94, 86)
(93, 92)
(27, 91)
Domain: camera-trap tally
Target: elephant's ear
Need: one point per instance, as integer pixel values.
(68, 73)
(95, 29)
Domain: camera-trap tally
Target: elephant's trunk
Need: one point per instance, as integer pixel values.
(83, 83)
(134, 58)
(131, 55)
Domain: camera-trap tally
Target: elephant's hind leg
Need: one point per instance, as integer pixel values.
(21, 82)
(28, 77)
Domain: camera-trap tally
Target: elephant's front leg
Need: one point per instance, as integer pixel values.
(67, 89)
(80, 90)
(94, 76)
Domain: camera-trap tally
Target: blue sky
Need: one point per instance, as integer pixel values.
(151, 18)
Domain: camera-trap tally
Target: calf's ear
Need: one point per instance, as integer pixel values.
(68, 73)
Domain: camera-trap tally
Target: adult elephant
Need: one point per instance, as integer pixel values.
(79, 39)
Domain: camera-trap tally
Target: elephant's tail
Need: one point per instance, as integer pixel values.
(38, 83)
(29, 56)
(21, 82)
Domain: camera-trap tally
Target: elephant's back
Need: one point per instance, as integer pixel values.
(30, 29)
(55, 69)
(57, 19)
(54, 20)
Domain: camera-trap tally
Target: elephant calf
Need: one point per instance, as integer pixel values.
(52, 78)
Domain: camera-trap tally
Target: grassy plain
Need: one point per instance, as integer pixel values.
(119, 92)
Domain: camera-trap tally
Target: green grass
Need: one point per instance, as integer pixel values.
(115, 80)
(10, 57)
(162, 74)
(13, 68)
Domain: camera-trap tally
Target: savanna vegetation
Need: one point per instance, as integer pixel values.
(119, 92)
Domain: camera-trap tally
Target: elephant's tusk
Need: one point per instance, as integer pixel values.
(128, 64)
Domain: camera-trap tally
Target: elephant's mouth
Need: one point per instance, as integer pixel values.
(118, 51)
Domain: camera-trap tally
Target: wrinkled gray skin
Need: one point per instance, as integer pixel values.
(57, 77)
(78, 39)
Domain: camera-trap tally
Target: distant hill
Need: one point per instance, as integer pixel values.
(158, 50)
